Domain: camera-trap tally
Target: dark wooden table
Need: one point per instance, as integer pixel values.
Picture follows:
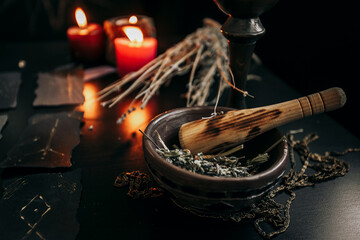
(329, 210)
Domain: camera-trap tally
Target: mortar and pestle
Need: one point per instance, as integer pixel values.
(255, 128)
(238, 126)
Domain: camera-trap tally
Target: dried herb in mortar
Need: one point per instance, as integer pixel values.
(327, 166)
(224, 166)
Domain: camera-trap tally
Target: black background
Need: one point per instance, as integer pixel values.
(311, 45)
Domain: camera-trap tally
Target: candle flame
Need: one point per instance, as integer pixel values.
(134, 34)
(80, 17)
(133, 19)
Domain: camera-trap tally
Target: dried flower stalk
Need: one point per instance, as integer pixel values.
(203, 53)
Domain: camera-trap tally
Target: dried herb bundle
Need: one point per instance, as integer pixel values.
(203, 53)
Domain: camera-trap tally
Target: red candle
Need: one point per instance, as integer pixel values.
(86, 40)
(134, 51)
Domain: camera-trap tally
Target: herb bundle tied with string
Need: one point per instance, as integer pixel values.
(203, 54)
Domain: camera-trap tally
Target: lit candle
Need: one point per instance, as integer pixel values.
(135, 50)
(86, 40)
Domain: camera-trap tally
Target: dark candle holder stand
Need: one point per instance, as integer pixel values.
(243, 28)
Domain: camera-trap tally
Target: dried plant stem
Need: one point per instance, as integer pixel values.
(233, 86)
(127, 78)
(163, 78)
(133, 86)
(199, 97)
(226, 153)
(161, 141)
(203, 53)
(193, 69)
(149, 138)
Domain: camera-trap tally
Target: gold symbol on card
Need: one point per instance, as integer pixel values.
(32, 214)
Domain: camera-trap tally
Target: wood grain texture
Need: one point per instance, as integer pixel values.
(236, 127)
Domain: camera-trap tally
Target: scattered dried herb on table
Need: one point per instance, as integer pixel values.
(140, 185)
(267, 210)
(277, 215)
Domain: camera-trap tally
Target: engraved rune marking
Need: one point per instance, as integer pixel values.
(14, 187)
(32, 214)
(66, 185)
(48, 148)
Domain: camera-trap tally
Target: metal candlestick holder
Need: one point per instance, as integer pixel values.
(243, 28)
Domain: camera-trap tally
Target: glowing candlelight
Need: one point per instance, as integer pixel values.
(134, 34)
(134, 50)
(133, 19)
(80, 18)
(86, 40)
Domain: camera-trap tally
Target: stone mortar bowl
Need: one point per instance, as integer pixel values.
(211, 195)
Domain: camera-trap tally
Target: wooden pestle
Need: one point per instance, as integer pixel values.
(238, 126)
